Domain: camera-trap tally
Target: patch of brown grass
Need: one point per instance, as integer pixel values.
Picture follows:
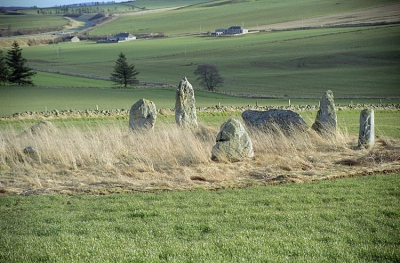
(104, 159)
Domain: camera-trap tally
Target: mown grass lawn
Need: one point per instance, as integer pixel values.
(347, 220)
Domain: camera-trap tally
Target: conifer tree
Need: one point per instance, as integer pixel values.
(3, 69)
(124, 74)
(19, 73)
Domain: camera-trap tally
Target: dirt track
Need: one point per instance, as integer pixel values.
(378, 14)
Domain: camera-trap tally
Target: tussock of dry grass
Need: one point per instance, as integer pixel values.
(113, 159)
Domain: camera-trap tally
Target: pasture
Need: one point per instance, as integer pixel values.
(348, 220)
(224, 13)
(18, 22)
(352, 62)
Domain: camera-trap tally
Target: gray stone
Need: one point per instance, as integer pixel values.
(272, 120)
(143, 115)
(33, 153)
(366, 135)
(42, 126)
(326, 119)
(185, 109)
(232, 143)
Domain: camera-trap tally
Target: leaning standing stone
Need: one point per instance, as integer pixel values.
(185, 109)
(232, 143)
(42, 126)
(366, 135)
(326, 120)
(143, 115)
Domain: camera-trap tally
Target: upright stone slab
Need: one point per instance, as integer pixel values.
(185, 109)
(326, 120)
(366, 135)
(232, 143)
(142, 115)
(285, 120)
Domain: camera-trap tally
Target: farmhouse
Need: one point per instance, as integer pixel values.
(233, 30)
(121, 37)
(125, 37)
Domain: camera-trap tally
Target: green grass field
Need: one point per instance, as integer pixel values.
(224, 13)
(349, 220)
(31, 22)
(353, 62)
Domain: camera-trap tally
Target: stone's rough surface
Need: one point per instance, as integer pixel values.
(285, 120)
(185, 109)
(366, 135)
(42, 126)
(32, 152)
(326, 119)
(143, 115)
(232, 143)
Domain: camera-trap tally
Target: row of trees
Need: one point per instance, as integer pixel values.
(13, 67)
(125, 74)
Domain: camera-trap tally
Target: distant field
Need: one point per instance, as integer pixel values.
(126, 6)
(31, 22)
(353, 62)
(222, 14)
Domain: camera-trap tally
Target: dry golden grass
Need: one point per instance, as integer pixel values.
(104, 159)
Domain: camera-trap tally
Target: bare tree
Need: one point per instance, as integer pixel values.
(208, 76)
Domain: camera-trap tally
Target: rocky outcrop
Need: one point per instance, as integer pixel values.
(143, 115)
(326, 119)
(366, 135)
(232, 142)
(185, 109)
(286, 121)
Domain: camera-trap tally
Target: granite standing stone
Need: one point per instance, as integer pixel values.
(366, 135)
(185, 109)
(326, 119)
(232, 142)
(285, 120)
(143, 115)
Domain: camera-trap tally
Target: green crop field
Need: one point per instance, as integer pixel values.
(349, 220)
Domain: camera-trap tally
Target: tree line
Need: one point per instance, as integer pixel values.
(13, 68)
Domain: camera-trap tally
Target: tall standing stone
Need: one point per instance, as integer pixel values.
(185, 109)
(326, 120)
(232, 142)
(143, 115)
(366, 135)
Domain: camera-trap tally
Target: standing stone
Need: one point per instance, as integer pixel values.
(185, 109)
(232, 143)
(285, 120)
(366, 135)
(42, 126)
(143, 115)
(33, 153)
(326, 120)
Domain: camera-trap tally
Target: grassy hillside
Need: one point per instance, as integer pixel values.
(353, 62)
(224, 13)
(18, 22)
